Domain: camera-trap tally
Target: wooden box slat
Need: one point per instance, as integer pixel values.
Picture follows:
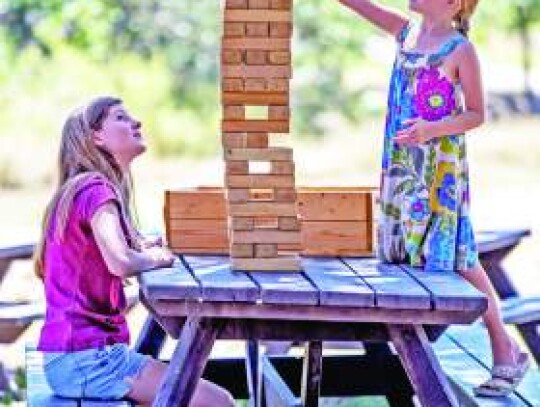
(334, 221)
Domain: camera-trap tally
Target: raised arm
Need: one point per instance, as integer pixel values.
(386, 18)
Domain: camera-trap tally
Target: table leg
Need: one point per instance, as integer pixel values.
(378, 352)
(151, 339)
(312, 374)
(188, 361)
(253, 373)
(530, 335)
(499, 277)
(422, 367)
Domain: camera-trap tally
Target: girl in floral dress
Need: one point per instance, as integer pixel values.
(436, 96)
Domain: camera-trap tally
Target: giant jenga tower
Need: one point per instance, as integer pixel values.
(259, 180)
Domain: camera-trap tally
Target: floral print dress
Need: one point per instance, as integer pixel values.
(424, 212)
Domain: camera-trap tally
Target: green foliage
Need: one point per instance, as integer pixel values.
(162, 57)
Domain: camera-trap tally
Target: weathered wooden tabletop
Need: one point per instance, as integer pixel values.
(202, 299)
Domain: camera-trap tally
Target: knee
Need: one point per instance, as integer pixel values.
(217, 397)
(226, 399)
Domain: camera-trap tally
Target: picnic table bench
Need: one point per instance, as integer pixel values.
(523, 312)
(201, 299)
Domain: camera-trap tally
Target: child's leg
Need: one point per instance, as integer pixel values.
(504, 348)
(146, 385)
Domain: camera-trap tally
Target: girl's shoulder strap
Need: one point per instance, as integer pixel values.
(404, 33)
(449, 46)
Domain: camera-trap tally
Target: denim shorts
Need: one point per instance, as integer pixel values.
(102, 373)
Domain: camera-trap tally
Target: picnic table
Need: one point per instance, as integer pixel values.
(200, 299)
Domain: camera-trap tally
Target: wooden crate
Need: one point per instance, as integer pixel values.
(335, 221)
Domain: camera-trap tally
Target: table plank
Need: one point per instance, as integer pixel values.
(393, 288)
(219, 282)
(449, 291)
(285, 287)
(174, 282)
(337, 283)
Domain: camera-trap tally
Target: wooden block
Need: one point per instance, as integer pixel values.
(288, 223)
(255, 99)
(278, 112)
(281, 263)
(265, 250)
(282, 168)
(266, 236)
(270, 126)
(254, 85)
(242, 223)
(238, 195)
(258, 30)
(266, 222)
(234, 112)
(256, 71)
(237, 167)
(281, 4)
(259, 181)
(257, 140)
(280, 29)
(326, 206)
(256, 57)
(231, 57)
(266, 194)
(232, 85)
(285, 195)
(234, 140)
(236, 4)
(257, 16)
(247, 43)
(279, 57)
(234, 30)
(245, 140)
(259, 4)
(277, 85)
(262, 209)
(259, 154)
(200, 250)
(196, 204)
(242, 250)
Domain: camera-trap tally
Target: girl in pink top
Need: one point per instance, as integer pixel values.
(89, 245)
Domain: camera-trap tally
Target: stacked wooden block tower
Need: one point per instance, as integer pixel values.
(259, 180)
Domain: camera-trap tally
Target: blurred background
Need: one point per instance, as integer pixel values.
(162, 58)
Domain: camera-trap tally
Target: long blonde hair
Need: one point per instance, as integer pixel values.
(463, 16)
(79, 160)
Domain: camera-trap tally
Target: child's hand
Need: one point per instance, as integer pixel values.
(161, 256)
(417, 131)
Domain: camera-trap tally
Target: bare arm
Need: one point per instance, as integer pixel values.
(121, 259)
(473, 115)
(386, 18)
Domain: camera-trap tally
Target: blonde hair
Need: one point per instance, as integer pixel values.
(463, 16)
(80, 160)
